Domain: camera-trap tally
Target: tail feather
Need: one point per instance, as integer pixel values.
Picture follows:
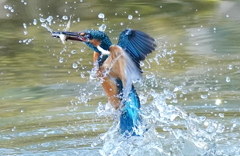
(130, 118)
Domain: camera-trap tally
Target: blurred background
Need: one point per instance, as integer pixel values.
(49, 106)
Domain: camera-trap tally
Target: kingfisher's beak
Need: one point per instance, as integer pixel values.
(67, 35)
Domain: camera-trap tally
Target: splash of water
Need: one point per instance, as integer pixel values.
(45, 23)
(171, 131)
(47, 27)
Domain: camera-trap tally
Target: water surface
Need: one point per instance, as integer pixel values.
(189, 92)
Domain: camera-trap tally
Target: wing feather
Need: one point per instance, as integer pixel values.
(123, 67)
(136, 44)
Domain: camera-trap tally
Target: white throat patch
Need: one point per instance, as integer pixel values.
(104, 52)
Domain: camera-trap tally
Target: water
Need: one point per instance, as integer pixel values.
(102, 27)
(101, 15)
(189, 93)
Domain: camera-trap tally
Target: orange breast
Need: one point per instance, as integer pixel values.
(111, 90)
(109, 86)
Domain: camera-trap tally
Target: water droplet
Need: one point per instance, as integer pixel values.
(230, 67)
(227, 16)
(218, 101)
(22, 111)
(25, 32)
(102, 27)
(24, 41)
(61, 60)
(42, 20)
(49, 19)
(34, 22)
(204, 96)
(201, 118)
(136, 11)
(82, 50)
(228, 79)
(75, 65)
(12, 10)
(148, 76)
(82, 75)
(130, 17)
(174, 100)
(221, 115)
(43, 24)
(14, 128)
(73, 52)
(206, 123)
(6, 6)
(65, 18)
(24, 26)
(101, 15)
(184, 91)
(220, 128)
(121, 23)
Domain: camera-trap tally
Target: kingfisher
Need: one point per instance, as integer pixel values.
(118, 66)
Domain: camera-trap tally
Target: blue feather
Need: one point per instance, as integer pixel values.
(102, 37)
(130, 117)
(137, 44)
(105, 43)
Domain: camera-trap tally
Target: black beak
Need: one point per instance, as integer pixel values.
(69, 35)
(56, 34)
(72, 34)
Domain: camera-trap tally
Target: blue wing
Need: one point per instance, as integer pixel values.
(137, 44)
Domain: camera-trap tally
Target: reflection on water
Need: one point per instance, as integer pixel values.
(190, 91)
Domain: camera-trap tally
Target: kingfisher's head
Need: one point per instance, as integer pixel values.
(92, 38)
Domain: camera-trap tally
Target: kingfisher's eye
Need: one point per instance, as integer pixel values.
(87, 36)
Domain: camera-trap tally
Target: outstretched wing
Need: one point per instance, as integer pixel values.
(137, 44)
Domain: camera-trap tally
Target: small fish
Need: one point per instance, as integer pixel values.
(60, 35)
(68, 25)
(63, 38)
